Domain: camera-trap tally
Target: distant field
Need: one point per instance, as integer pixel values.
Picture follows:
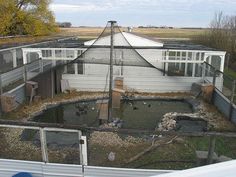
(87, 32)
(93, 32)
(151, 32)
(169, 33)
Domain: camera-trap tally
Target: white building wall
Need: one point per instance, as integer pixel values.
(142, 79)
(152, 56)
(100, 70)
(131, 71)
(141, 84)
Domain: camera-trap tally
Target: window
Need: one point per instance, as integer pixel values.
(19, 57)
(183, 55)
(202, 56)
(70, 69)
(176, 70)
(178, 55)
(172, 55)
(197, 56)
(80, 67)
(6, 61)
(79, 52)
(58, 53)
(216, 62)
(32, 56)
(47, 53)
(69, 54)
(189, 69)
(190, 56)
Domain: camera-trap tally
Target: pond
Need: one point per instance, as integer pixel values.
(138, 114)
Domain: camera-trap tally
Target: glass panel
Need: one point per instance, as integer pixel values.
(190, 55)
(69, 54)
(176, 69)
(197, 56)
(6, 61)
(208, 60)
(183, 55)
(63, 147)
(190, 69)
(80, 67)
(202, 56)
(47, 53)
(19, 57)
(79, 52)
(172, 55)
(198, 70)
(216, 62)
(178, 55)
(58, 53)
(32, 56)
(70, 69)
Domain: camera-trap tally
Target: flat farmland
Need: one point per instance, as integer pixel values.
(87, 33)
(93, 32)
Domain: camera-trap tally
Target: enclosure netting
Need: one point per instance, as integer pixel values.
(98, 50)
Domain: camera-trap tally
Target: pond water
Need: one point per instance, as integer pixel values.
(188, 124)
(139, 114)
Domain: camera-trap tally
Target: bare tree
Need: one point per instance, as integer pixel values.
(221, 35)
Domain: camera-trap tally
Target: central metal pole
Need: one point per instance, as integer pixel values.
(111, 72)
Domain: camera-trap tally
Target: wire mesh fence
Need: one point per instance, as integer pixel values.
(222, 82)
(20, 144)
(63, 147)
(155, 151)
(54, 146)
(127, 148)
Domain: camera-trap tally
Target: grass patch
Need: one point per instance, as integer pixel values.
(230, 72)
(181, 153)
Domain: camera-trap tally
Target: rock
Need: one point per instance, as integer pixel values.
(202, 157)
(168, 122)
(196, 88)
(179, 140)
(223, 158)
(111, 156)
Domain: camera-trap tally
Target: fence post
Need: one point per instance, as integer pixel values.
(233, 91)
(211, 149)
(164, 72)
(214, 77)
(232, 100)
(43, 145)
(1, 89)
(204, 71)
(41, 65)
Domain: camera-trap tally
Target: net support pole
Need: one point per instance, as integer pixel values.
(111, 71)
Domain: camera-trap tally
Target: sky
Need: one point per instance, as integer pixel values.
(176, 13)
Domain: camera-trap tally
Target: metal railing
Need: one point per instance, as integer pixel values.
(222, 82)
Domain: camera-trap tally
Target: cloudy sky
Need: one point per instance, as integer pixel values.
(178, 13)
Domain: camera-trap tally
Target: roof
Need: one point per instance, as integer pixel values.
(43, 43)
(186, 46)
(125, 39)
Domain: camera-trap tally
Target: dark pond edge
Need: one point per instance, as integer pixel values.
(53, 105)
(179, 118)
